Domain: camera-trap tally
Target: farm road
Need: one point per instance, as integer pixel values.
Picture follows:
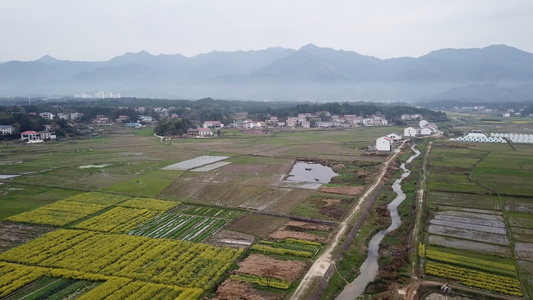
(322, 263)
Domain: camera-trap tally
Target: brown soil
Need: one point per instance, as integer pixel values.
(236, 290)
(302, 226)
(330, 202)
(296, 230)
(343, 190)
(338, 166)
(258, 225)
(261, 265)
(335, 212)
(15, 234)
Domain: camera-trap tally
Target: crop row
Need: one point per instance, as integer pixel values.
(98, 198)
(15, 276)
(151, 204)
(297, 241)
(491, 282)
(118, 219)
(58, 213)
(263, 281)
(281, 251)
(209, 212)
(471, 262)
(182, 227)
(294, 244)
(179, 263)
(421, 250)
(121, 288)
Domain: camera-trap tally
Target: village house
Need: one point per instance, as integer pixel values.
(76, 115)
(30, 136)
(192, 132)
(423, 123)
(146, 119)
(122, 118)
(199, 132)
(306, 124)
(6, 129)
(410, 132)
(368, 122)
(213, 124)
(292, 121)
(63, 116)
(384, 144)
(395, 137)
(323, 124)
(101, 120)
(133, 125)
(46, 135)
(47, 115)
(426, 131)
(272, 120)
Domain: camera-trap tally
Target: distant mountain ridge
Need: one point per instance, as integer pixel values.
(493, 73)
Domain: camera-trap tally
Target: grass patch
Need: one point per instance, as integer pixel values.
(19, 198)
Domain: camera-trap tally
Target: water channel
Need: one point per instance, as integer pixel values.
(369, 268)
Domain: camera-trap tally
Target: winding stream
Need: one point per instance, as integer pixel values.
(369, 268)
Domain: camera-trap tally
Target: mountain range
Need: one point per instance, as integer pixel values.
(494, 73)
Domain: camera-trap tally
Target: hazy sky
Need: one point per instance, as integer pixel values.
(96, 30)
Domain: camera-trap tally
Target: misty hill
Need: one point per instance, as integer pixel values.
(494, 73)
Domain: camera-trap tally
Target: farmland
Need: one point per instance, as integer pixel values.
(131, 228)
(478, 219)
(96, 221)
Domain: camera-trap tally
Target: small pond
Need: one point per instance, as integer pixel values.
(309, 175)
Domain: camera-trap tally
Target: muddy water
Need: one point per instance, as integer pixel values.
(311, 172)
(369, 268)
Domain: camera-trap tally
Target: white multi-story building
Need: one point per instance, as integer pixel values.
(47, 115)
(6, 129)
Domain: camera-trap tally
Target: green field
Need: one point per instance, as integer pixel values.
(477, 182)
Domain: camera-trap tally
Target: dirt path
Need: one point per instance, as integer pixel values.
(322, 263)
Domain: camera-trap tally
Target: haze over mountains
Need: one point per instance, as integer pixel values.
(494, 73)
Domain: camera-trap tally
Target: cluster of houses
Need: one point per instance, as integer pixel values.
(510, 112)
(385, 143)
(61, 116)
(425, 128)
(31, 136)
(308, 120)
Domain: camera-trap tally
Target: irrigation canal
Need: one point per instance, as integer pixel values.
(369, 268)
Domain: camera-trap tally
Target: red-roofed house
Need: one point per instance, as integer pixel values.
(31, 137)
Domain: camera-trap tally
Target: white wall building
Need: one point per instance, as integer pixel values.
(384, 144)
(426, 131)
(410, 131)
(47, 115)
(394, 136)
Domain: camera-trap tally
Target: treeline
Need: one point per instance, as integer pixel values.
(392, 112)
